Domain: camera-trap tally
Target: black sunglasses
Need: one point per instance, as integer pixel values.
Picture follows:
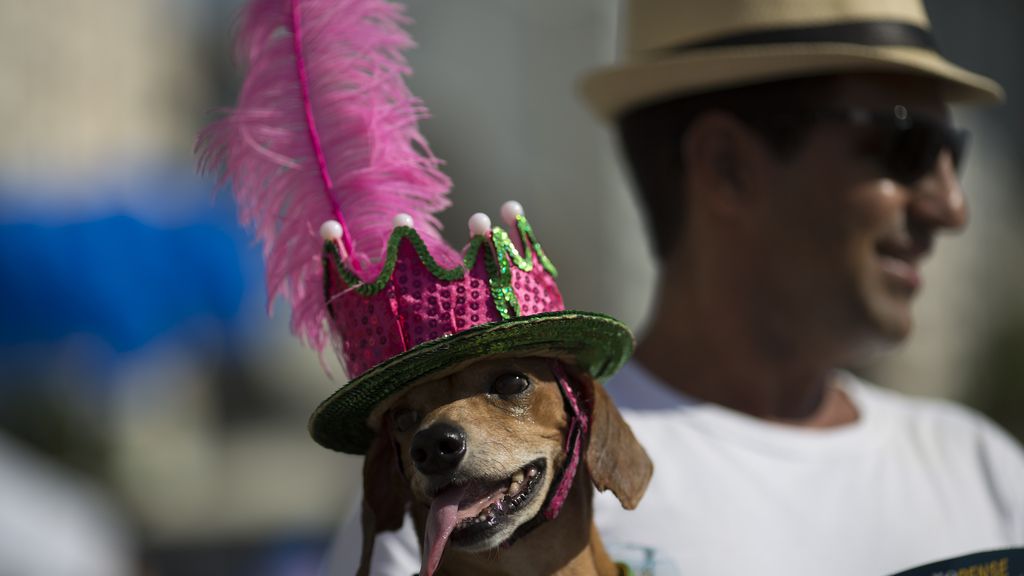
(906, 147)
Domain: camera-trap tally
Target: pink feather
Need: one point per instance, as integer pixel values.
(325, 128)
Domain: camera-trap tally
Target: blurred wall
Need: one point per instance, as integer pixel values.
(93, 86)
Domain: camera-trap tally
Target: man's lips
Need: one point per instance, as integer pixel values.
(899, 261)
(902, 271)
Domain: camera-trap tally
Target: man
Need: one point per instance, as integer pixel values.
(795, 161)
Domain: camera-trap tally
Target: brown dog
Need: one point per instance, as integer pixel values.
(477, 456)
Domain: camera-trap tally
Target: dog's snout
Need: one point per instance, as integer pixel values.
(438, 449)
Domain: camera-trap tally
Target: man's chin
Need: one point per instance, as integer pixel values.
(895, 320)
(885, 326)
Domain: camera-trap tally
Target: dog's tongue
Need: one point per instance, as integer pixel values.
(441, 520)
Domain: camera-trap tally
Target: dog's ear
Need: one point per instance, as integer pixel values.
(385, 494)
(615, 459)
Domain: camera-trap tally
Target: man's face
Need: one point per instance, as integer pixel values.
(844, 239)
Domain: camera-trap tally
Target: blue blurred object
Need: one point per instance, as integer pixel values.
(121, 279)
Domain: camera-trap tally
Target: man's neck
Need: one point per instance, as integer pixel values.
(713, 354)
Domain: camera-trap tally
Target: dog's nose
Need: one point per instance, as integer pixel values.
(438, 449)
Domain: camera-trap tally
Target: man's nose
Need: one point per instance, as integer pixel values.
(938, 198)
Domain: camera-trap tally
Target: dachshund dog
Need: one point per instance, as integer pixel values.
(485, 459)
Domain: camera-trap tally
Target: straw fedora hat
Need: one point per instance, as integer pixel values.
(679, 47)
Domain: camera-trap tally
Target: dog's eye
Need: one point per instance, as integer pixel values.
(509, 384)
(405, 419)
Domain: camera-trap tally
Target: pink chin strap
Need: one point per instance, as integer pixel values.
(579, 423)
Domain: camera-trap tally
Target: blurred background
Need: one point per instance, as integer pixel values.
(152, 416)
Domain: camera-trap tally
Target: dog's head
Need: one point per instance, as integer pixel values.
(478, 453)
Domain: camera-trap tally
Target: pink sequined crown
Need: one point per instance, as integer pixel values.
(418, 318)
(415, 300)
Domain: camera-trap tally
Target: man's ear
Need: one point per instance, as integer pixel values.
(615, 459)
(720, 158)
(385, 493)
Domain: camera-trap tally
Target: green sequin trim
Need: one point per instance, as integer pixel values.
(500, 274)
(496, 262)
(530, 240)
(331, 253)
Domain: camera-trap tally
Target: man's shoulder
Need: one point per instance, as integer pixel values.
(939, 423)
(913, 410)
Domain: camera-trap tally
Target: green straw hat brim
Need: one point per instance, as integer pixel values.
(596, 343)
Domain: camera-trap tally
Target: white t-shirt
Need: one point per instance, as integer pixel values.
(53, 523)
(910, 482)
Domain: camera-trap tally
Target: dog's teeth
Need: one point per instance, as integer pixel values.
(513, 489)
(517, 478)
